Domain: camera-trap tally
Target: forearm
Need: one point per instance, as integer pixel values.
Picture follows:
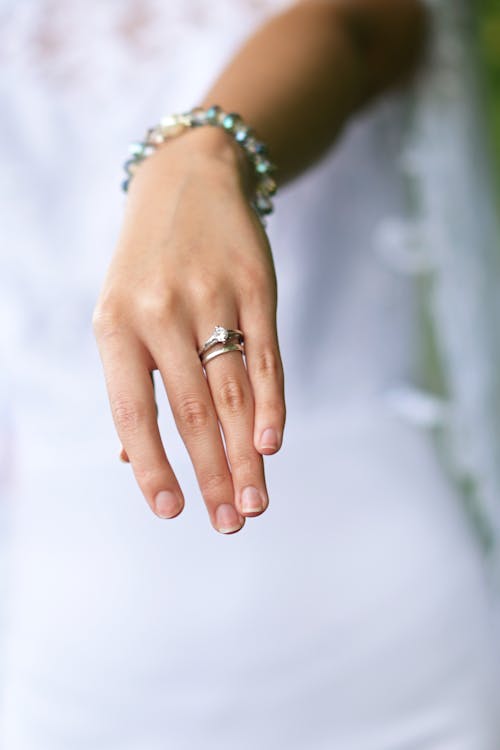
(298, 79)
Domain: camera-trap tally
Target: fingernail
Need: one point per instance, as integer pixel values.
(251, 500)
(123, 456)
(227, 518)
(167, 504)
(269, 439)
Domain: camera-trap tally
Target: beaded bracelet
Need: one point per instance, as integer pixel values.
(174, 125)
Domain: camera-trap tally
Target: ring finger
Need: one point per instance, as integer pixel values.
(196, 420)
(233, 399)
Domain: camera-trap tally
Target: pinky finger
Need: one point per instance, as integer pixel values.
(265, 371)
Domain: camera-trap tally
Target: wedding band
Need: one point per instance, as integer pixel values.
(222, 350)
(221, 335)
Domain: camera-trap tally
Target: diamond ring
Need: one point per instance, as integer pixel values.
(221, 335)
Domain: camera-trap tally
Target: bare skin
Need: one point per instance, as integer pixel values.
(192, 253)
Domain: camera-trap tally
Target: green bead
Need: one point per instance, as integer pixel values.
(264, 204)
(129, 166)
(263, 166)
(136, 149)
(198, 116)
(231, 121)
(268, 186)
(213, 113)
(241, 133)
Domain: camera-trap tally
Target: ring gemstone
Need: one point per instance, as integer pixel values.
(221, 334)
(224, 336)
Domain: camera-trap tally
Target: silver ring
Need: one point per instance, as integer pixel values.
(222, 350)
(221, 335)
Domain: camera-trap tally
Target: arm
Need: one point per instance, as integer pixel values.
(301, 76)
(192, 254)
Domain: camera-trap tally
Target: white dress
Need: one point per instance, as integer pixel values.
(357, 612)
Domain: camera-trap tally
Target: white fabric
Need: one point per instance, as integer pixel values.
(357, 612)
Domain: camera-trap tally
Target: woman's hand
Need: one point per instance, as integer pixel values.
(191, 255)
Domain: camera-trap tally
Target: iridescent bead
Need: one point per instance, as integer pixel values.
(263, 166)
(253, 146)
(241, 133)
(268, 186)
(212, 114)
(197, 116)
(250, 145)
(173, 130)
(259, 213)
(229, 122)
(169, 121)
(172, 125)
(155, 136)
(130, 166)
(263, 203)
(125, 184)
(136, 149)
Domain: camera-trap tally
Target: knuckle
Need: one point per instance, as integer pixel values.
(243, 464)
(146, 475)
(268, 365)
(106, 320)
(231, 395)
(207, 289)
(254, 291)
(213, 484)
(154, 308)
(257, 280)
(192, 414)
(129, 415)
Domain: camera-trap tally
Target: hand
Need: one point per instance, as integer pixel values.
(192, 254)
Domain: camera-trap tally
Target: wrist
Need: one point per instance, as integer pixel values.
(197, 149)
(208, 136)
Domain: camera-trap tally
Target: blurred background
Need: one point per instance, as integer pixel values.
(488, 43)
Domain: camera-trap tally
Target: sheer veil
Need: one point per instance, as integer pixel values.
(452, 244)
